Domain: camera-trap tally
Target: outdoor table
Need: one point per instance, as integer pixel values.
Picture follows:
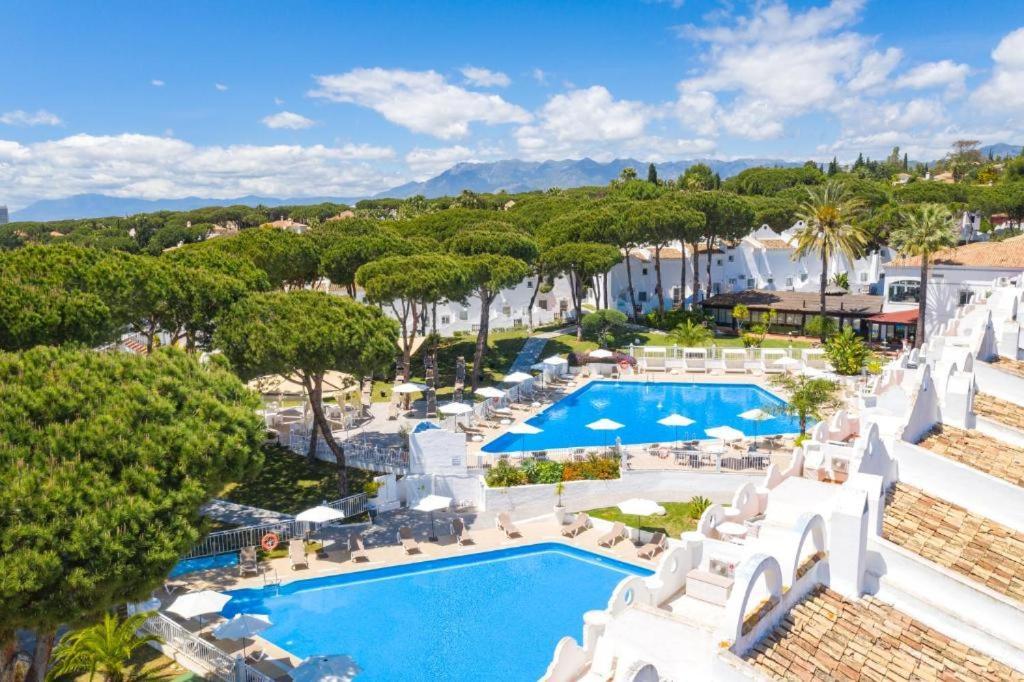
(732, 531)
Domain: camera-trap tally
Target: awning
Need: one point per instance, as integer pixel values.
(896, 317)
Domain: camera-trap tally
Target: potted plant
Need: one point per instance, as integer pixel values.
(559, 508)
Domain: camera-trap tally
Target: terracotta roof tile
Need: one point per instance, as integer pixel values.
(798, 302)
(1006, 254)
(775, 244)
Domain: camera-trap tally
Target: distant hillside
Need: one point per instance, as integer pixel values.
(1001, 149)
(524, 176)
(101, 205)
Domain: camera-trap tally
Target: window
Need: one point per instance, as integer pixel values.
(676, 294)
(803, 276)
(446, 320)
(905, 291)
(641, 296)
(506, 310)
(542, 304)
(475, 328)
(731, 258)
(789, 281)
(716, 288)
(863, 277)
(771, 281)
(750, 282)
(464, 314)
(643, 271)
(718, 261)
(456, 461)
(965, 296)
(529, 284)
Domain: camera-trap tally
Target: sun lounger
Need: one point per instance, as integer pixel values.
(579, 524)
(248, 561)
(356, 549)
(460, 532)
(506, 526)
(407, 540)
(297, 553)
(609, 539)
(652, 548)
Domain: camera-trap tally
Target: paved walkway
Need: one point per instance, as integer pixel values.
(827, 636)
(241, 514)
(529, 354)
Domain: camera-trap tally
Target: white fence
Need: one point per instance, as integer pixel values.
(673, 460)
(357, 455)
(201, 653)
(234, 539)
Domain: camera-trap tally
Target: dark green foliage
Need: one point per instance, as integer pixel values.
(770, 181)
(847, 352)
(603, 325)
(105, 459)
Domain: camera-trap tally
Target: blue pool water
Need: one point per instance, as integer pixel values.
(204, 563)
(639, 406)
(485, 616)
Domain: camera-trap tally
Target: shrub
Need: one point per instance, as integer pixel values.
(542, 471)
(592, 468)
(670, 319)
(603, 325)
(690, 333)
(698, 505)
(504, 475)
(847, 352)
(820, 326)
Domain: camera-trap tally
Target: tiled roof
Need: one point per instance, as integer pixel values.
(775, 244)
(798, 302)
(829, 637)
(1011, 366)
(981, 452)
(1000, 410)
(1005, 254)
(972, 545)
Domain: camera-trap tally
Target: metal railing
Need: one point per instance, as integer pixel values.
(234, 539)
(357, 455)
(202, 653)
(673, 460)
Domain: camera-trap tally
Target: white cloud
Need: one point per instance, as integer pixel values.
(540, 76)
(157, 83)
(220, 87)
(942, 74)
(1003, 93)
(288, 120)
(422, 101)
(592, 114)
(162, 167)
(485, 78)
(40, 117)
(875, 69)
(278, 101)
(428, 162)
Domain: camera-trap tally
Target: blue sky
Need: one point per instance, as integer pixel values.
(338, 98)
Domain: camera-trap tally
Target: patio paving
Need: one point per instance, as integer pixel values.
(977, 450)
(972, 545)
(829, 637)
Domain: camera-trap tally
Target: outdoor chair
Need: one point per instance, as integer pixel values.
(408, 542)
(356, 549)
(506, 526)
(248, 561)
(652, 548)
(460, 532)
(612, 537)
(297, 553)
(579, 524)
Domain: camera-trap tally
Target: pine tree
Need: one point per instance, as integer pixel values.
(859, 162)
(833, 166)
(652, 174)
(906, 161)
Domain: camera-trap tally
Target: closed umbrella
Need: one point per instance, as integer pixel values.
(676, 420)
(756, 415)
(241, 626)
(431, 504)
(337, 668)
(523, 429)
(638, 506)
(197, 604)
(605, 425)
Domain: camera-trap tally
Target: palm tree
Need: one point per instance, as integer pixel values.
(105, 649)
(690, 334)
(923, 230)
(829, 215)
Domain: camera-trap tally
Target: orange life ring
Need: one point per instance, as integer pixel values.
(270, 541)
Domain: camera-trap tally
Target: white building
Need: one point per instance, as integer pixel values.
(955, 277)
(761, 260)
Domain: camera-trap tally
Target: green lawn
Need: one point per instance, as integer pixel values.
(289, 483)
(677, 519)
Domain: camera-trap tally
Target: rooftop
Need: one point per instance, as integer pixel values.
(1007, 254)
(978, 451)
(827, 636)
(798, 301)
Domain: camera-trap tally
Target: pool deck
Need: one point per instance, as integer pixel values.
(337, 562)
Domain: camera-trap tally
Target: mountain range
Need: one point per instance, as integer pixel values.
(511, 176)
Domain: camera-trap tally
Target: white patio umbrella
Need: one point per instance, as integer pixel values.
(408, 388)
(455, 409)
(601, 353)
(605, 425)
(756, 415)
(676, 420)
(726, 433)
(320, 514)
(241, 626)
(555, 360)
(490, 392)
(523, 429)
(431, 504)
(516, 377)
(638, 506)
(337, 668)
(197, 604)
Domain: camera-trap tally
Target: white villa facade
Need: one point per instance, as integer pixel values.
(761, 260)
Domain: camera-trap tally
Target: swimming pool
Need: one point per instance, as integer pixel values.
(488, 615)
(638, 406)
(204, 563)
